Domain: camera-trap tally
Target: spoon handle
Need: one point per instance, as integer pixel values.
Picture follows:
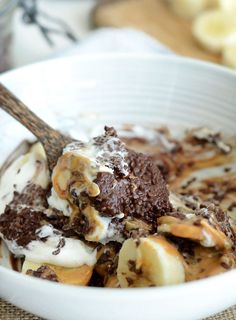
(17, 109)
(52, 140)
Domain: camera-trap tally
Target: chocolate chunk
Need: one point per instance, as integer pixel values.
(20, 224)
(56, 218)
(60, 245)
(110, 131)
(32, 195)
(79, 225)
(142, 194)
(108, 259)
(43, 272)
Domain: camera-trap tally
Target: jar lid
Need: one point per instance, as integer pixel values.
(7, 5)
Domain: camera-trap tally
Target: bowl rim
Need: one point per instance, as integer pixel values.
(101, 293)
(170, 58)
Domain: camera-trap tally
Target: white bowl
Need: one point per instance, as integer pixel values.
(121, 89)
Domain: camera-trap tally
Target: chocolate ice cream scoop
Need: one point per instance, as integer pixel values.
(141, 194)
(104, 177)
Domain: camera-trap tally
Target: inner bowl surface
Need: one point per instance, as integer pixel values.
(84, 93)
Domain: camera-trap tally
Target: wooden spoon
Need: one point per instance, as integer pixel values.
(52, 140)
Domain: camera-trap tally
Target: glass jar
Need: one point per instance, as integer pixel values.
(6, 11)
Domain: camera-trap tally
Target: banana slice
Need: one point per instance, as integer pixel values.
(214, 29)
(30, 167)
(151, 261)
(228, 5)
(195, 229)
(191, 8)
(229, 56)
(79, 276)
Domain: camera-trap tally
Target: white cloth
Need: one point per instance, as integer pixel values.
(125, 40)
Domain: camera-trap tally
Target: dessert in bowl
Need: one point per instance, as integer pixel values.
(110, 216)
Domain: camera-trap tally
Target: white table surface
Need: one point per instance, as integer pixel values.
(28, 43)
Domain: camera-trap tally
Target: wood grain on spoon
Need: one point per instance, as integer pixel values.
(52, 140)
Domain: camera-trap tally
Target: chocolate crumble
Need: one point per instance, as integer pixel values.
(20, 224)
(60, 245)
(43, 272)
(56, 218)
(32, 195)
(79, 225)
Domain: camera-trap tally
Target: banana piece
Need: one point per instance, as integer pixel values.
(229, 55)
(30, 167)
(191, 8)
(41, 175)
(79, 276)
(151, 261)
(228, 5)
(202, 232)
(214, 29)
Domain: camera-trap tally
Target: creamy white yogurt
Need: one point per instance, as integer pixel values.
(73, 254)
(56, 202)
(100, 156)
